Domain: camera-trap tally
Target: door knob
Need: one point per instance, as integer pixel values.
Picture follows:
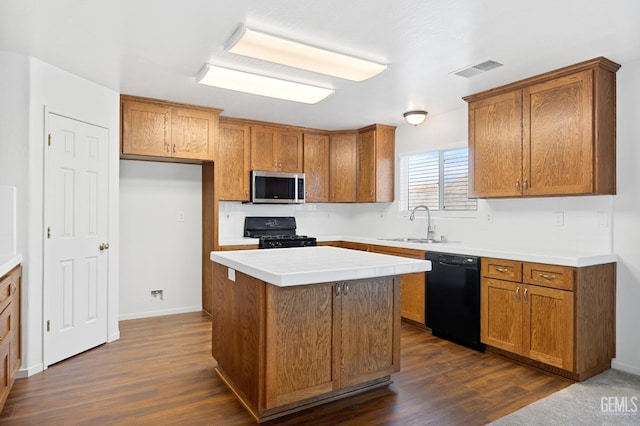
(104, 246)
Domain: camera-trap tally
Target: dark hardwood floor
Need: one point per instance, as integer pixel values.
(161, 372)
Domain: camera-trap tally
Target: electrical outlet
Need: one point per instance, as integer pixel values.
(156, 293)
(489, 218)
(559, 218)
(603, 219)
(180, 215)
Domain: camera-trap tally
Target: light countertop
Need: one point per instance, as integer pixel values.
(310, 265)
(561, 257)
(7, 263)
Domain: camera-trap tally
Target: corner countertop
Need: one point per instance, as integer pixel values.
(7, 263)
(311, 265)
(562, 257)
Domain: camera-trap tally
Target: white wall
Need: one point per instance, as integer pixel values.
(626, 235)
(157, 251)
(28, 86)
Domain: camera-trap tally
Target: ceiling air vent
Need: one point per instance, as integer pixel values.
(473, 70)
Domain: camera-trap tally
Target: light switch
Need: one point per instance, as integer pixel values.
(180, 215)
(232, 274)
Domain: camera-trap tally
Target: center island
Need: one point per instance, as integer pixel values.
(297, 327)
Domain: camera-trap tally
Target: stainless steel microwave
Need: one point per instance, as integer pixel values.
(277, 187)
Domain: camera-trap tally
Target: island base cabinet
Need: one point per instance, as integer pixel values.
(285, 349)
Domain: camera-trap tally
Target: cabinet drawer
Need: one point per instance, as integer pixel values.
(508, 270)
(5, 292)
(560, 277)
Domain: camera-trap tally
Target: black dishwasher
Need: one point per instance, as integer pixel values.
(453, 298)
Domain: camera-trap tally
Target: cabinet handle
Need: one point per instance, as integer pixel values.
(338, 287)
(279, 164)
(167, 146)
(15, 287)
(174, 148)
(518, 185)
(525, 185)
(503, 270)
(547, 276)
(346, 288)
(526, 299)
(518, 294)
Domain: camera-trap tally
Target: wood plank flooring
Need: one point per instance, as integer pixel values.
(160, 372)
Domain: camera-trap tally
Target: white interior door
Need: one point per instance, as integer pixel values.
(75, 242)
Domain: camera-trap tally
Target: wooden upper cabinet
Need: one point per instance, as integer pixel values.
(558, 135)
(167, 131)
(316, 167)
(552, 134)
(376, 164)
(146, 129)
(342, 165)
(276, 149)
(495, 146)
(193, 133)
(232, 161)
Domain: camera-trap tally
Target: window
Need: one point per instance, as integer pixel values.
(440, 180)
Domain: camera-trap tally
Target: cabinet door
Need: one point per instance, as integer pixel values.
(342, 166)
(548, 326)
(264, 148)
(367, 166)
(193, 133)
(316, 168)
(370, 329)
(412, 300)
(232, 162)
(146, 129)
(290, 151)
(300, 329)
(495, 146)
(501, 314)
(558, 136)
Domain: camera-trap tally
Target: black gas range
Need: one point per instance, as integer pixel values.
(275, 232)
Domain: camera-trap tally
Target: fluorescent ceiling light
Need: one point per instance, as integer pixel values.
(270, 48)
(240, 81)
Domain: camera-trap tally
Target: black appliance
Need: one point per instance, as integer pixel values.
(276, 232)
(453, 298)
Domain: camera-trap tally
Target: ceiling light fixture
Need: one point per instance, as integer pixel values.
(415, 117)
(247, 42)
(241, 81)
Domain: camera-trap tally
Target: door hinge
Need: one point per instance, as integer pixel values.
(48, 325)
(49, 139)
(48, 232)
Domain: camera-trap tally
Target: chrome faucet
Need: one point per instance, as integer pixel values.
(430, 234)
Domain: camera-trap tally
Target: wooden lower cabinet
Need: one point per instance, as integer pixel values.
(557, 317)
(284, 349)
(413, 286)
(533, 321)
(10, 339)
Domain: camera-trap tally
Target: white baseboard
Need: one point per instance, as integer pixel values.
(30, 371)
(160, 313)
(115, 336)
(625, 367)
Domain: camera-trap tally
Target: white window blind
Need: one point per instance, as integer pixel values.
(440, 180)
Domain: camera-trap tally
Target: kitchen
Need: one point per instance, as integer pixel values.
(150, 241)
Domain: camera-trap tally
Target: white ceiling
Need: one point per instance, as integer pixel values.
(155, 48)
